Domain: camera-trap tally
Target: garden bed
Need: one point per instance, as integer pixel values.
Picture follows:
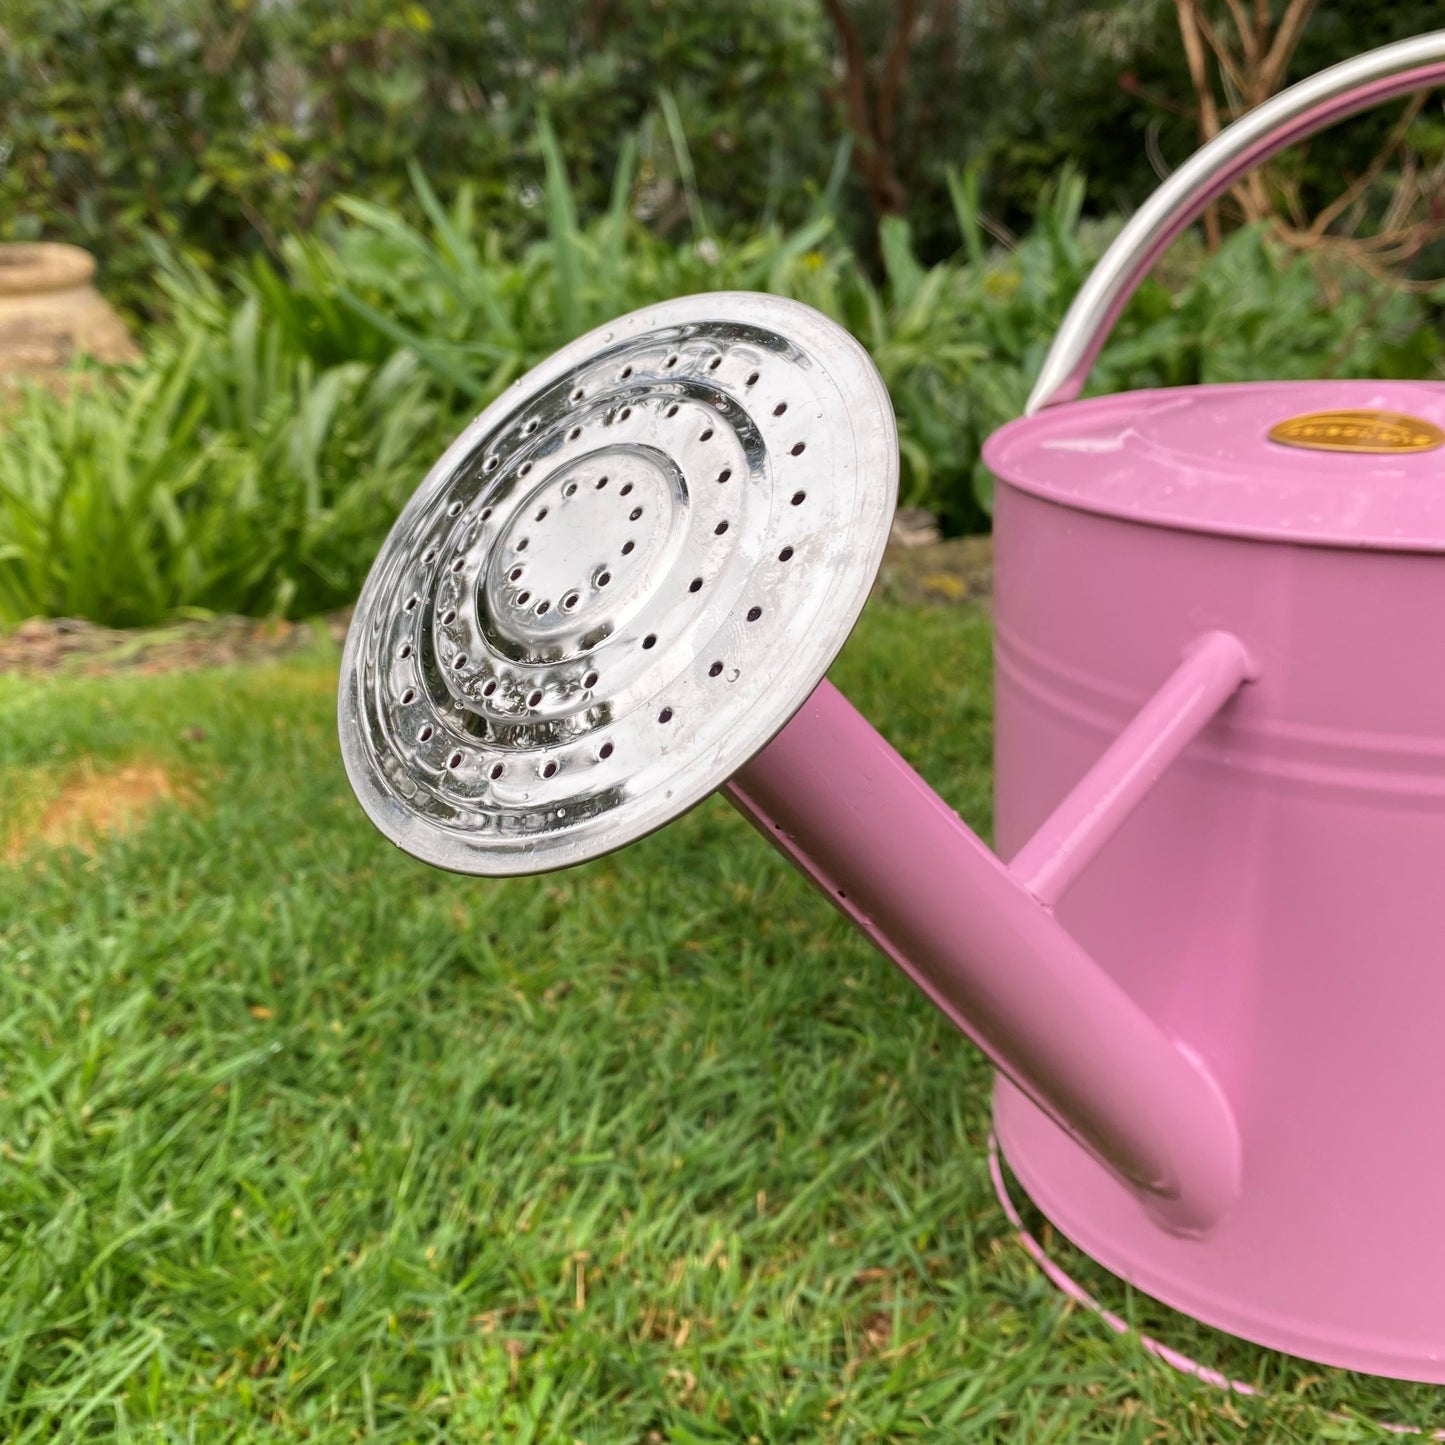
(956, 571)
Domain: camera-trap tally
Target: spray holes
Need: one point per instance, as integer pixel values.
(530, 427)
(605, 751)
(523, 598)
(459, 661)
(411, 603)
(495, 771)
(634, 514)
(798, 498)
(486, 513)
(695, 585)
(570, 601)
(625, 372)
(570, 489)
(425, 735)
(534, 697)
(455, 761)
(430, 555)
(671, 360)
(650, 640)
(753, 378)
(754, 613)
(578, 394)
(404, 650)
(714, 669)
(706, 436)
(590, 681)
(625, 490)
(458, 564)
(541, 514)
(574, 433)
(785, 555)
(492, 463)
(524, 469)
(603, 578)
(601, 482)
(798, 448)
(522, 545)
(514, 574)
(720, 529)
(449, 616)
(723, 475)
(665, 715)
(672, 410)
(489, 687)
(543, 608)
(454, 509)
(714, 363)
(627, 546)
(624, 413)
(549, 769)
(781, 407)
(408, 696)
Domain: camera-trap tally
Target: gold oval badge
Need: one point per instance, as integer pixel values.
(1358, 431)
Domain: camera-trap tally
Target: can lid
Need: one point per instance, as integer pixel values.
(1330, 463)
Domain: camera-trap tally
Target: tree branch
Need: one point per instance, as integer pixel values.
(221, 54)
(873, 129)
(893, 70)
(1188, 12)
(1286, 38)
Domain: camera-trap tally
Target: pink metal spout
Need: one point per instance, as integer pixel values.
(894, 858)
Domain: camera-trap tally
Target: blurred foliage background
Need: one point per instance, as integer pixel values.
(346, 226)
(224, 127)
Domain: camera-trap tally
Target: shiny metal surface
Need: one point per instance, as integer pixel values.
(1288, 117)
(618, 584)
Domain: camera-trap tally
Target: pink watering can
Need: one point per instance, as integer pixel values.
(1212, 970)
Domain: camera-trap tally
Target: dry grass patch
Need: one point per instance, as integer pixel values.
(96, 803)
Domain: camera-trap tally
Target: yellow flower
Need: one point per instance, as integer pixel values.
(1001, 284)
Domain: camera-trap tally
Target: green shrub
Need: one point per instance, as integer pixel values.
(254, 461)
(224, 474)
(226, 127)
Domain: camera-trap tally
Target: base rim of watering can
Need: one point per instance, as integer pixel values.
(1252, 1327)
(1067, 1285)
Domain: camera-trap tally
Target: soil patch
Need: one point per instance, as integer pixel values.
(939, 573)
(930, 574)
(73, 645)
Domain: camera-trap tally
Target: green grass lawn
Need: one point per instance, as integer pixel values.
(301, 1140)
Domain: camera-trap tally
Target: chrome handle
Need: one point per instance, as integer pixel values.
(1282, 120)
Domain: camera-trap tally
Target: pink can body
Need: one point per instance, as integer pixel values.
(1277, 902)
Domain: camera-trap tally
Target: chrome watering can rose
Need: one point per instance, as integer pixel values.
(1212, 972)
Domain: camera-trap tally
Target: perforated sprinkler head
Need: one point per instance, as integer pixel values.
(618, 584)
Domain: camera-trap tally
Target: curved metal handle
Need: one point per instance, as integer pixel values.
(1290, 116)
